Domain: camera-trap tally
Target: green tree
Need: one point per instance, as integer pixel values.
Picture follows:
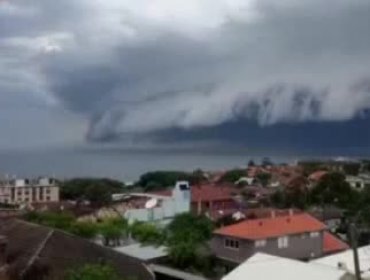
(113, 230)
(310, 167)
(333, 189)
(264, 178)
(60, 220)
(64, 221)
(84, 229)
(352, 168)
(198, 177)
(161, 179)
(251, 163)
(93, 272)
(147, 233)
(365, 165)
(187, 235)
(233, 175)
(279, 199)
(98, 191)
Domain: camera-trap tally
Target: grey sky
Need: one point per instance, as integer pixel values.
(77, 70)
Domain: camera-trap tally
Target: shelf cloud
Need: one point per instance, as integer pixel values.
(122, 68)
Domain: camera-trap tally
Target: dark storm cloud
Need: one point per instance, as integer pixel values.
(143, 68)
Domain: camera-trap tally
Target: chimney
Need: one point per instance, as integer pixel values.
(291, 212)
(3, 250)
(273, 214)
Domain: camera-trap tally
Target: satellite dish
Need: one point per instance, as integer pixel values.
(238, 216)
(151, 203)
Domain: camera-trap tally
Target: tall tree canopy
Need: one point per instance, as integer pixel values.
(97, 191)
(233, 175)
(333, 189)
(187, 234)
(93, 272)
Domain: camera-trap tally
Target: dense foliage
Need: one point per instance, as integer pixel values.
(93, 272)
(63, 221)
(293, 198)
(333, 189)
(97, 191)
(352, 168)
(113, 230)
(310, 167)
(187, 236)
(233, 175)
(147, 233)
(264, 178)
(163, 179)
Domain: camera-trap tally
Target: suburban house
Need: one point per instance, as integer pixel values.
(210, 199)
(29, 251)
(26, 191)
(264, 266)
(296, 236)
(358, 182)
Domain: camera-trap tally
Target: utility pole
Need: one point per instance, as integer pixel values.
(353, 238)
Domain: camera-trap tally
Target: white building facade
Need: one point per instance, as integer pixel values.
(166, 208)
(359, 182)
(24, 191)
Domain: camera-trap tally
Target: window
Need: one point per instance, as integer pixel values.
(48, 198)
(12, 194)
(19, 193)
(48, 191)
(232, 244)
(283, 242)
(33, 194)
(314, 234)
(260, 243)
(41, 193)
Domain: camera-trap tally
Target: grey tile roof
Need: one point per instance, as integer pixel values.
(34, 251)
(143, 252)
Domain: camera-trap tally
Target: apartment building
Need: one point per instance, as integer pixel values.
(23, 191)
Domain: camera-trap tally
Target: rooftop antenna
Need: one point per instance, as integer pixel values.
(353, 237)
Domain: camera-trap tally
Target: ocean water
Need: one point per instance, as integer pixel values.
(128, 165)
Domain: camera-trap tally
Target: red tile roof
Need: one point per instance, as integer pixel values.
(272, 227)
(162, 192)
(209, 192)
(333, 244)
(316, 176)
(212, 193)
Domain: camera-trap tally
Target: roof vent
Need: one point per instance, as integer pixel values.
(288, 220)
(260, 223)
